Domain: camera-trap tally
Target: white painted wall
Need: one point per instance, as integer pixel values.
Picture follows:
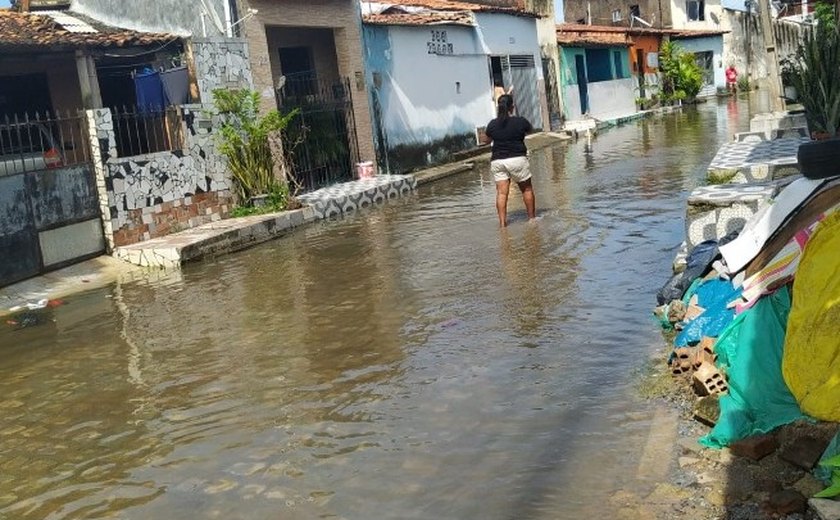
(614, 98)
(419, 95)
(502, 34)
(713, 21)
(607, 99)
(571, 98)
(714, 44)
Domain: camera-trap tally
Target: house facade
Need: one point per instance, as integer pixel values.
(547, 13)
(307, 56)
(432, 72)
(707, 48)
(698, 26)
(54, 207)
(597, 76)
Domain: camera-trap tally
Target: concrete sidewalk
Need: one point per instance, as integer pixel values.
(84, 276)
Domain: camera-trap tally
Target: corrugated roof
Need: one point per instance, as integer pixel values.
(421, 19)
(32, 31)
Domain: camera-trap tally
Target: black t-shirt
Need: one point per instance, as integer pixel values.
(508, 137)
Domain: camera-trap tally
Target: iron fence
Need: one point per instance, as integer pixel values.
(322, 137)
(43, 140)
(141, 131)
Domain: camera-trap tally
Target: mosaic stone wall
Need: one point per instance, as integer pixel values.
(156, 194)
(221, 63)
(102, 142)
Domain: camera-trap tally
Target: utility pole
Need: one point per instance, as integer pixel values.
(748, 42)
(777, 104)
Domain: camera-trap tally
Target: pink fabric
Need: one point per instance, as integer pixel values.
(778, 272)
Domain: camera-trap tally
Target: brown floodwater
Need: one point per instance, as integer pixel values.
(408, 362)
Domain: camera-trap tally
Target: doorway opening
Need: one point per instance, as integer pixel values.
(583, 87)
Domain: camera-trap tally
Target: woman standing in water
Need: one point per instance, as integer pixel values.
(509, 160)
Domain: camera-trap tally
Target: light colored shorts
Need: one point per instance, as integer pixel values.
(516, 169)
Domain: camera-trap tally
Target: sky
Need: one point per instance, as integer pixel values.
(4, 3)
(558, 10)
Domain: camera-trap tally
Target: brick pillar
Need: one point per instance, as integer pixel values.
(348, 50)
(260, 63)
(103, 146)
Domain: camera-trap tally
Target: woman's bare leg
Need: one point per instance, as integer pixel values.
(528, 198)
(502, 190)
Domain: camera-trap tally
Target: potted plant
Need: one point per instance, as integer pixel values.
(814, 71)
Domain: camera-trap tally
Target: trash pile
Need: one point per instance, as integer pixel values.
(31, 314)
(756, 317)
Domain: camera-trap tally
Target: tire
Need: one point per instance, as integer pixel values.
(820, 159)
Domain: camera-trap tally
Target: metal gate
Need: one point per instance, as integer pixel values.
(322, 138)
(523, 74)
(49, 205)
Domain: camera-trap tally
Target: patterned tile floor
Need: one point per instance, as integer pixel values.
(337, 200)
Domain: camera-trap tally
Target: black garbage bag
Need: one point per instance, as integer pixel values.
(696, 265)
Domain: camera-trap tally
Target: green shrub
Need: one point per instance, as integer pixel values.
(682, 78)
(245, 141)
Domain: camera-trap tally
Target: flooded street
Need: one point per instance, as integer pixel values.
(411, 362)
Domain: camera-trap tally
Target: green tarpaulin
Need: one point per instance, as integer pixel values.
(750, 352)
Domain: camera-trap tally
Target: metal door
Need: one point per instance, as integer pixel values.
(523, 72)
(19, 251)
(323, 135)
(49, 205)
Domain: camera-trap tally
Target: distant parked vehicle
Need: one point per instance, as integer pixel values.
(26, 147)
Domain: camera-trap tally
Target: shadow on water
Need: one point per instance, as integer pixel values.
(408, 362)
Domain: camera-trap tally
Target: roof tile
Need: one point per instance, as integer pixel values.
(29, 30)
(421, 19)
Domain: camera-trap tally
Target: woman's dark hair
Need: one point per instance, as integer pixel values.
(503, 107)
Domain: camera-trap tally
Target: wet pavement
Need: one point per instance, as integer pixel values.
(409, 362)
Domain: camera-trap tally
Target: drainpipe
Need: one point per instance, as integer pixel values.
(748, 42)
(588, 13)
(24, 6)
